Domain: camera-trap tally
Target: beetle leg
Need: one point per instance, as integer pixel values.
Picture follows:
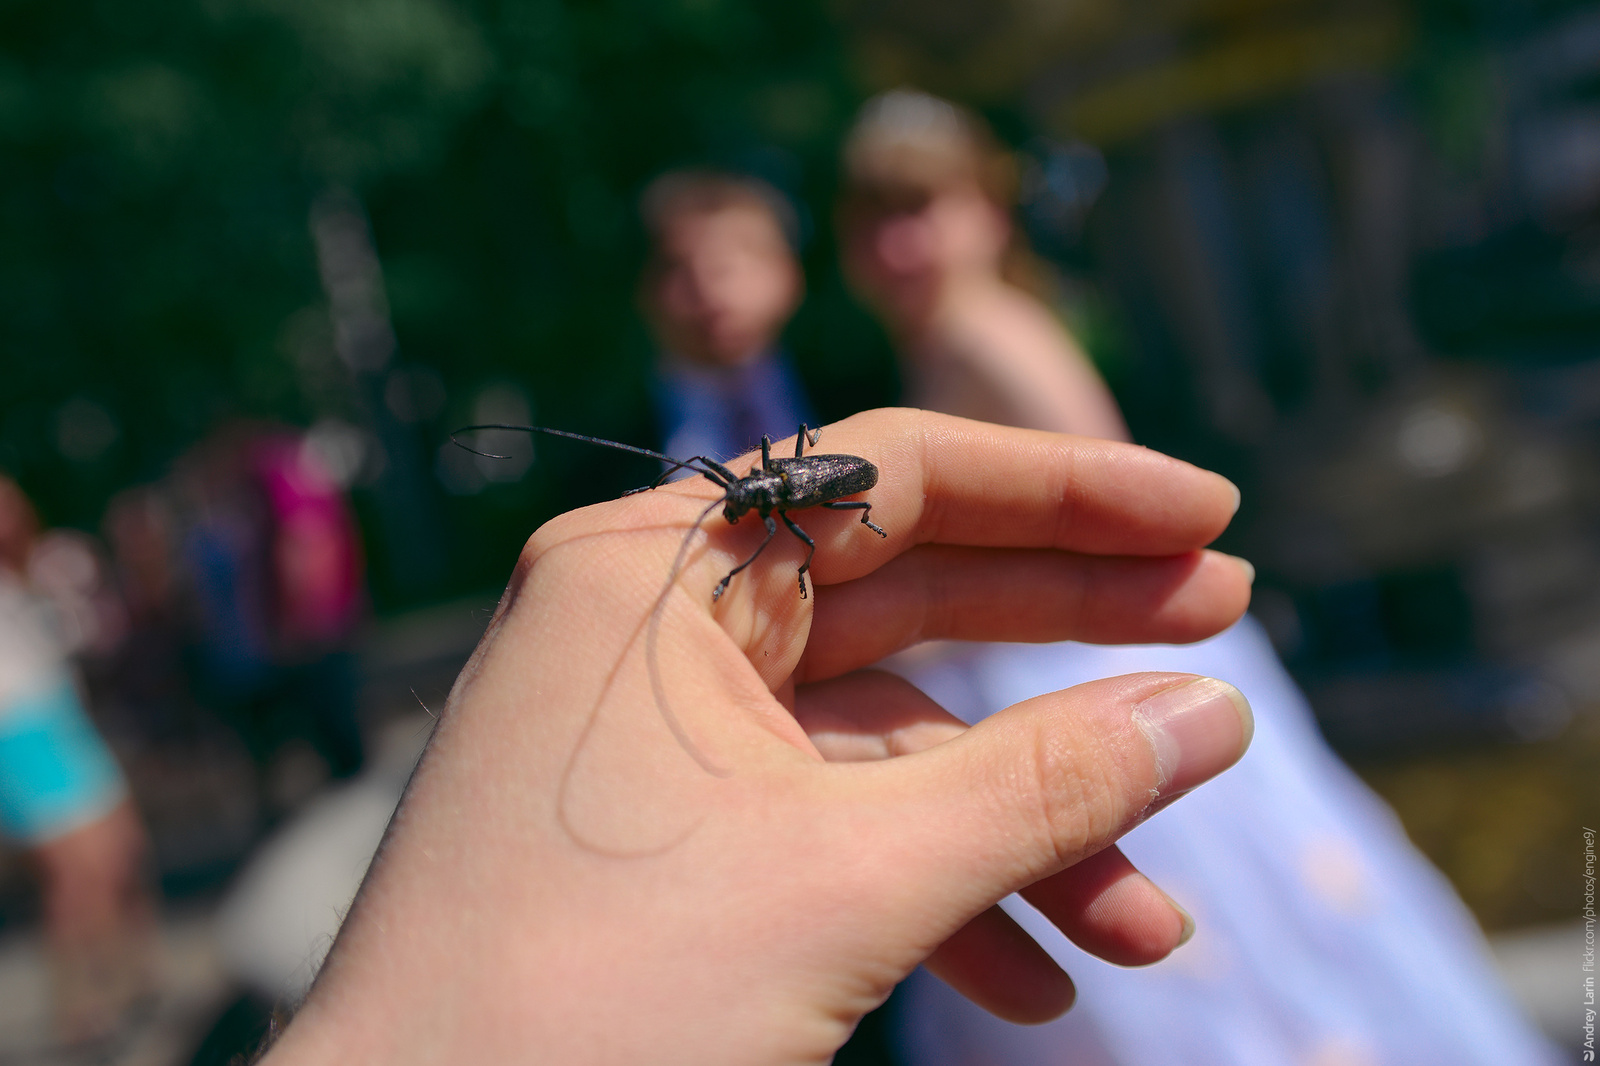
(858, 505)
(772, 531)
(811, 551)
(807, 435)
(656, 484)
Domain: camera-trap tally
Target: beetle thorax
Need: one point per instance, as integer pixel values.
(760, 492)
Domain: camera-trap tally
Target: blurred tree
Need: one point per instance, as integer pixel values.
(161, 162)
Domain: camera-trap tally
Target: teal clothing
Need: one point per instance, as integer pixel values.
(56, 774)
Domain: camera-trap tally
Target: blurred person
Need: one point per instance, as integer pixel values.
(272, 574)
(1323, 937)
(927, 241)
(721, 282)
(146, 672)
(62, 796)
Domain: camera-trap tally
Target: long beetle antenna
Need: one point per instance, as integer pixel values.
(708, 468)
(652, 655)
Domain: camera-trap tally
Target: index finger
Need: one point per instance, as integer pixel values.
(948, 480)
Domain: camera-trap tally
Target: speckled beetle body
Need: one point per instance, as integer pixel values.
(776, 487)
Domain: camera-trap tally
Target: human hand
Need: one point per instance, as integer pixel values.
(567, 881)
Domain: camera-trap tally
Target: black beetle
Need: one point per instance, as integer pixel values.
(776, 487)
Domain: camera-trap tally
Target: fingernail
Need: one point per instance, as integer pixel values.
(1247, 566)
(1188, 921)
(1198, 730)
(1237, 495)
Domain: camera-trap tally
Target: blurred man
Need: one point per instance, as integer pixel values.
(721, 283)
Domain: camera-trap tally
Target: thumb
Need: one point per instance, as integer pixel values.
(1045, 783)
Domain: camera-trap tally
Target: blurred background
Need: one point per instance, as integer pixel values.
(1347, 254)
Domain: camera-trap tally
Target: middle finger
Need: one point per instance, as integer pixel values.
(939, 592)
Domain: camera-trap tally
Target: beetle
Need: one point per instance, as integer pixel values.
(776, 487)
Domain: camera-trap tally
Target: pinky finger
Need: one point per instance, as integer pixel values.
(1108, 908)
(993, 962)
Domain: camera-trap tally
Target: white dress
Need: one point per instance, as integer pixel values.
(1323, 938)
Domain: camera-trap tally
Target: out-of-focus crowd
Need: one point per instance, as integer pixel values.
(216, 616)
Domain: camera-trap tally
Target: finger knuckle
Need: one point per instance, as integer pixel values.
(1072, 783)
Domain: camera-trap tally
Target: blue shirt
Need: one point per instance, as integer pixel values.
(721, 412)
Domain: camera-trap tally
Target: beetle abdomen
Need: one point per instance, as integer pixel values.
(817, 479)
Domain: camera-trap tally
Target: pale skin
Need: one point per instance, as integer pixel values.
(721, 285)
(563, 882)
(974, 345)
(98, 919)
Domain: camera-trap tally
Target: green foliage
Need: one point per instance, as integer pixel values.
(161, 160)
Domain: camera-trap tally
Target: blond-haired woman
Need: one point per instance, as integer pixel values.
(1321, 935)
